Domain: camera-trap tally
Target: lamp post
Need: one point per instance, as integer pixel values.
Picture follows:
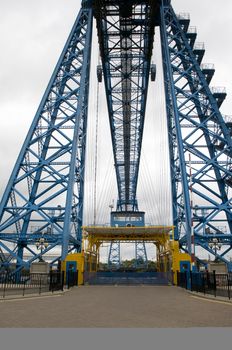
(41, 244)
(111, 206)
(215, 244)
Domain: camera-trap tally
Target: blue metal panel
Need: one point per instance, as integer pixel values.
(185, 266)
(44, 196)
(128, 277)
(71, 266)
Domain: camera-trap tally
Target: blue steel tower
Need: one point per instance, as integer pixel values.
(45, 193)
(199, 139)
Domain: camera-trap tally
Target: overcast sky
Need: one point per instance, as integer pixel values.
(33, 34)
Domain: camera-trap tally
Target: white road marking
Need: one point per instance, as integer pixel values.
(213, 301)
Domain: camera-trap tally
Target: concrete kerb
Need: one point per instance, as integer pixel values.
(61, 293)
(210, 297)
(33, 295)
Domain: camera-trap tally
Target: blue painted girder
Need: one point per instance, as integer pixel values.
(196, 128)
(114, 257)
(140, 254)
(126, 33)
(44, 196)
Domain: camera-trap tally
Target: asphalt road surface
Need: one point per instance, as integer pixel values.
(116, 307)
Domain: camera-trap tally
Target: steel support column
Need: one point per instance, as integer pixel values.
(196, 127)
(44, 196)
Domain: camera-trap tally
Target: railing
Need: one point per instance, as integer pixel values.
(183, 15)
(22, 283)
(206, 282)
(207, 66)
(192, 30)
(218, 90)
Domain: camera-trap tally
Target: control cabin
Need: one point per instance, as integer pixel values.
(127, 219)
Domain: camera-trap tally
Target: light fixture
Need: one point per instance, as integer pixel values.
(41, 244)
(215, 245)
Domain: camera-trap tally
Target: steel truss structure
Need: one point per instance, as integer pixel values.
(43, 201)
(114, 258)
(140, 255)
(44, 196)
(126, 31)
(199, 139)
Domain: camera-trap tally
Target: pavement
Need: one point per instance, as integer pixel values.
(116, 307)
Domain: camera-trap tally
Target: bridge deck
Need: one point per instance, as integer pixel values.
(117, 307)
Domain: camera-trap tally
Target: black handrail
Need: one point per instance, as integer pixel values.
(206, 282)
(24, 283)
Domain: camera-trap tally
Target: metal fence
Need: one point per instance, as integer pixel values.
(206, 282)
(24, 283)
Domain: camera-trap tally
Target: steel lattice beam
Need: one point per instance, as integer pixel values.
(195, 127)
(126, 32)
(44, 196)
(140, 254)
(114, 257)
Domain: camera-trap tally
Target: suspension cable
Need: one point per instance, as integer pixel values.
(96, 160)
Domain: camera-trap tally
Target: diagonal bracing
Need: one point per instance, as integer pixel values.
(199, 138)
(44, 196)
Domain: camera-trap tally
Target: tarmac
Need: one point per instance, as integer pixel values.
(116, 307)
